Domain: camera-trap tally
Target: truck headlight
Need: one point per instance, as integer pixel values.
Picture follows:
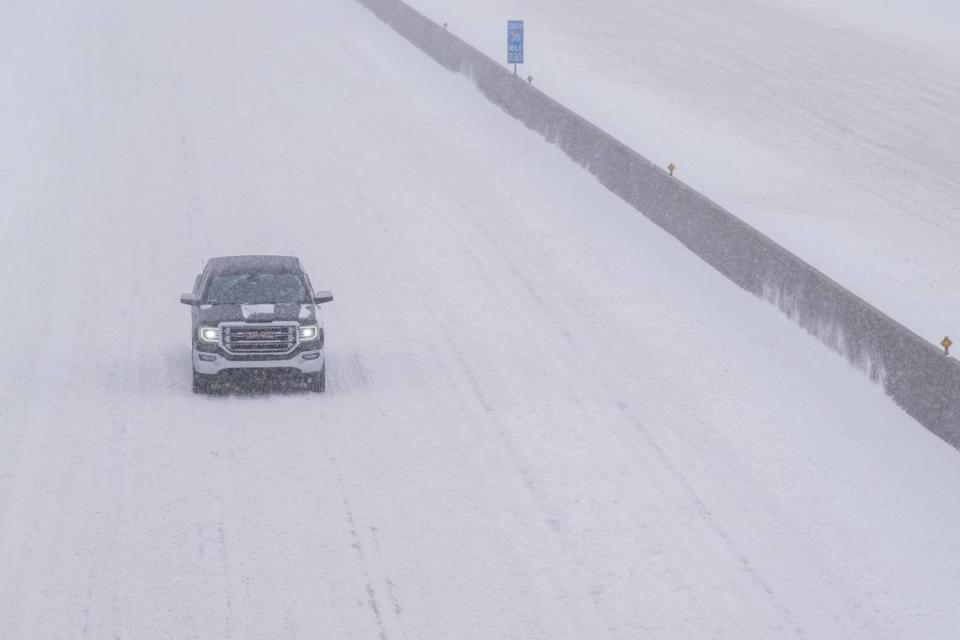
(209, 334)
(309, 333)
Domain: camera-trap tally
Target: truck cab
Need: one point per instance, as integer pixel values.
(256, 317)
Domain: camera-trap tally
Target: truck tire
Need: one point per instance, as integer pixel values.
(200, 384)
(317, 382)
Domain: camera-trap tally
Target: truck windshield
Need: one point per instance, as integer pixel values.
(256, 288)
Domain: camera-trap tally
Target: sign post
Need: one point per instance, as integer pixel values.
(946, 344)
(515, 43)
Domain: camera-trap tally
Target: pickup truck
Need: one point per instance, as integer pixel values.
(256, 316)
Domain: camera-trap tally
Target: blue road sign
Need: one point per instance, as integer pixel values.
(515, 42)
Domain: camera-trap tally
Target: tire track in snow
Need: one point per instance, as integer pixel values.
(230, 541)
(389, 626)
(391, 585)
(532, 488)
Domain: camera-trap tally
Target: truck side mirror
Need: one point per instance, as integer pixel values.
(190, 299)
(323, 296)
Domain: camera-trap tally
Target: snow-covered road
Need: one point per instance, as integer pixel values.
(544, 419)
(830, 126)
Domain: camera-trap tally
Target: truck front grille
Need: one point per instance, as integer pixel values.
(266, 338)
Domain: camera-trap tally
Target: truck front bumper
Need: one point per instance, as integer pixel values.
(213, 363)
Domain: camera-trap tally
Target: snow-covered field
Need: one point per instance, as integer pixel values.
(831, 126)
(545, 418)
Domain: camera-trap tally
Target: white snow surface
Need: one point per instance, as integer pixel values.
(251, 310)
(544, 418)
(830, 126)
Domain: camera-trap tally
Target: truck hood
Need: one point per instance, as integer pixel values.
(216, 313)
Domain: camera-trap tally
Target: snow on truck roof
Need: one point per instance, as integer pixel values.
(246, 264)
